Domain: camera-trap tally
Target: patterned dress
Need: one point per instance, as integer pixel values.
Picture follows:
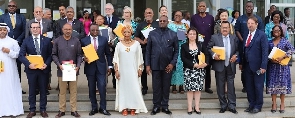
(279, 76)
(177, 75)
(194, 78)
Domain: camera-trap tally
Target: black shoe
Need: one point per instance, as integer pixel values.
(47, 92)
(248, 109)
(222, 110)
(114, 86)
(208, 90)
(233, 111)
(197, 112)
(144, 91)
(167, 111)
(104, 112)
(92, 112)
(37, 92)
(155, 111)
(255, 110)
(244, 90)
(24, 92)
(190, 113)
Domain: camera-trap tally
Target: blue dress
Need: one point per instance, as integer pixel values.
(279, 76)
(177, 74)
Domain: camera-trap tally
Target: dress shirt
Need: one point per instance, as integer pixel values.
(253, 33)
(71, 22)
(41, 25)
(38, 39)
(14, 17)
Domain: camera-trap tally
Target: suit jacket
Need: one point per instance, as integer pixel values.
(102, 52)
(162, 49)
(28, 48)
(266, 20)
(114, 22)
(257, 52)
(187, 58)
(76, 25)
(217, 40)
(46, 24)
(18, 33)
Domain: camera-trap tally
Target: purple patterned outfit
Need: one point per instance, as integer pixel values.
(279, 76)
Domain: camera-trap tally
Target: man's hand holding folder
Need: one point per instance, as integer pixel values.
(219, 53)
(36, 62)
(90, 53)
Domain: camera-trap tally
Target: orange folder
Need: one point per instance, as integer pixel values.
(118, 30)
(1, 66)
(90, 53)
(277, 53)
(220, 51)
(36, 59)
(201, 58)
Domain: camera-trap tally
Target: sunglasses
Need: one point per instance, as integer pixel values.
(11, 5)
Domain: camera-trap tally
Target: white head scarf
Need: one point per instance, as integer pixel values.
(5, 25)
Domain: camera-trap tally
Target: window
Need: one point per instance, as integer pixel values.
(183, 5)
(89, 5)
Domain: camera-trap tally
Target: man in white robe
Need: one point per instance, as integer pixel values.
(10, 88)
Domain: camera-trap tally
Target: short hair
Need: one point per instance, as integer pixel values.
(250, 2)
(253, 18)
(110, 4)
(45, 10)
(234, 12)
(97, 12)
(277, 12)
(130, 10)
(127, 27)
(225, 22)
(162, 7)
(285, 10)
(164, 16)
(184, 13)
(273, 6)
(69, 7)
(34, 23)
(282, 32)
(221, 11)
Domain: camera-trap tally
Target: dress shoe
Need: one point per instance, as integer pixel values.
(255, 110)
(31, 114)
(49, 88)
(104, 112)
(248, 109)
(167, 111)
(144, 91)
(273, 110)
(208, 90)
(282, 109)
(24, 92)
(60, 114)
(222, 110)
(92, 112)
(190, 113)
(47, 92)
(244, 90)
(75, 114)
(44, 114)
(155, 111)
(197, 112)
(233, 111)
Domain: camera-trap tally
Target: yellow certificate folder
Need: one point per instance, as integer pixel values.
(277, 53)
(201, 58)
(36, 59)
(220, 51)
(118, 30)
(1, 66)
(90, 53)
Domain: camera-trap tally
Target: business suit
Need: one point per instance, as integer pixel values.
(46, 26)
(96, 71)
(266, 19)
(161, 50)
(37, 76)
(17, 33)
(76, 25)
(223, 72)
(113, 23)
(254, 57)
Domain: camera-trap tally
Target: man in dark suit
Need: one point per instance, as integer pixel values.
(78, 27)
(37, 44)
(17, 25)
(267, 19)
(96, 71)
(161, 57)
(254, 63)
(45, 24)
(225, 70)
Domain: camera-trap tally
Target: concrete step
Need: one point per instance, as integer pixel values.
(173, 104)
(53, 97)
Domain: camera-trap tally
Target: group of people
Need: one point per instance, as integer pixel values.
(170, 60)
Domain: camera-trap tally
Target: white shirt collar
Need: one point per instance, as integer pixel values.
(227, 36)
(38, 21)
(252, 33)
(36, 37)
(91, 37)
(12, 14)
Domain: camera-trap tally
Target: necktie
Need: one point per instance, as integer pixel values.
(109, 20)
(249, 40)
(226, 51)
(12, 21)
(37, 46)
(95, 45)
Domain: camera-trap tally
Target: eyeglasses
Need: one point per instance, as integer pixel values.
(276, 30)
(108, 8)
(11, 5)
(35, 27)
(162, 21)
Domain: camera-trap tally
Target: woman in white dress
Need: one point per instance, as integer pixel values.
(128, 63)
(10, 87)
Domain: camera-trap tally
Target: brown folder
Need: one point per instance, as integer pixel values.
(36, 59)
(220, 51)
(90, 53)
(118, 30)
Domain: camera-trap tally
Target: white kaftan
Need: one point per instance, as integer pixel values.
(10, 86)
(128, 90)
